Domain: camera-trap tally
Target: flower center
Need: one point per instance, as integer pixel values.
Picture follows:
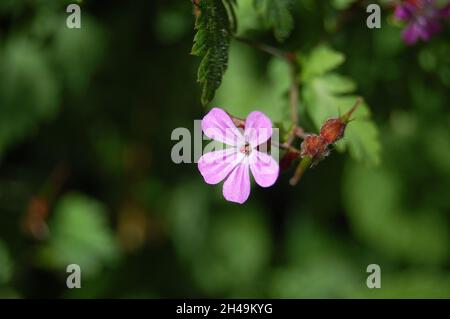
(246, 149)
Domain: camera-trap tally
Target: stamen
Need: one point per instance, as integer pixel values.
(246, 149)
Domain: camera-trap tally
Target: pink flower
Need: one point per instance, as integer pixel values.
(423, 18)
(235, 162)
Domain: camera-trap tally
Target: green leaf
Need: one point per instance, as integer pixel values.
(211, 42)
(80, 235)
(321, 60)
(361, 135)
(277, 16)
(327, 95)
(338, 84)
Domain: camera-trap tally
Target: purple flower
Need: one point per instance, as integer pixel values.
(235, 163)
(423, 19)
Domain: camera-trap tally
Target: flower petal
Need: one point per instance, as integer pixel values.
(218, 125)
(411, 33)
(404, 12)
(237, 186)
(215, 166)
(264, 168)
(258, 128)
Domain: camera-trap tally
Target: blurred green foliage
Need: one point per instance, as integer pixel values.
(86, 176)
(276, 15)
(79, 232)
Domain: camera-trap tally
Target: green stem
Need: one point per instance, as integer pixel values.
(304, 164)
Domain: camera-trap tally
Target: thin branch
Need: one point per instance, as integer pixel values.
(293, 96)
(265, 48)
(305, 163)
(287, 147)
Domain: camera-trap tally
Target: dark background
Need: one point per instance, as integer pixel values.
(86, 175)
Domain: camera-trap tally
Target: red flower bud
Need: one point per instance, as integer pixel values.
(332, 130)
(314, 146)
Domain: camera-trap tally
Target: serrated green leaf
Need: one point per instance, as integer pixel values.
(321, 60)
(277, 16)
(211, 42)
